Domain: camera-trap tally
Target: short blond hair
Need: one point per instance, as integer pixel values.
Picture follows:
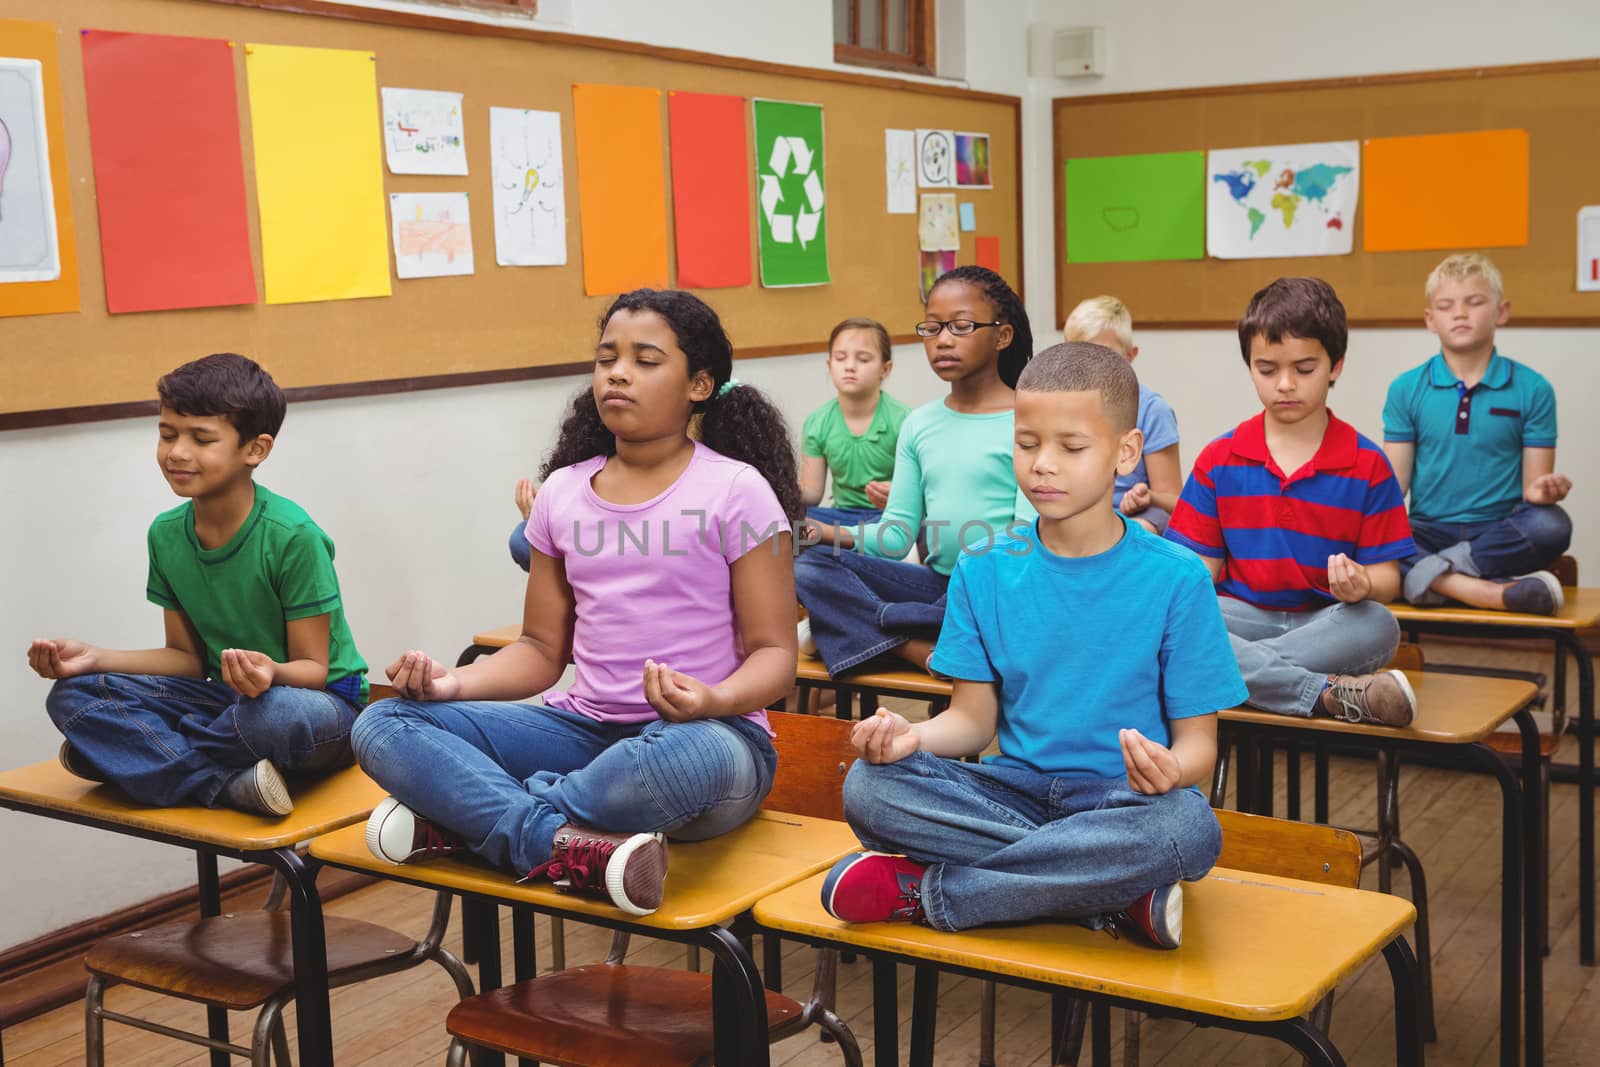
(1097, 314)
(1464, 265)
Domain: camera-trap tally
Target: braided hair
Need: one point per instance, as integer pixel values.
(1008, 309)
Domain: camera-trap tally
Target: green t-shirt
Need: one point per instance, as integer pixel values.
(278, 567)
(853, 460)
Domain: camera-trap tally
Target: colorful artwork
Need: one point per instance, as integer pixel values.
(936, 226)
(424, 132)
(936, 158)
(1446, 190)
(622, 202)
(530, 207)
(900, 170)
(1136, 208)
(28, 248)
(710, 189)
(1282, 200)
(935, 265)
(432, 234)
(972, 161)
(792, 184)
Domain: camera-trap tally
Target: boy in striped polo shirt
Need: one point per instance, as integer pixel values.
(1302, 524)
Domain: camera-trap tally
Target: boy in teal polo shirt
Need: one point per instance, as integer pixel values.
(853, 436)
(259, 674)
(1473, 435)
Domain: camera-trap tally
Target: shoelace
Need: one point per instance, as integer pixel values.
(1352, 700)
(910, 900)
(436, 841)
(582, 863)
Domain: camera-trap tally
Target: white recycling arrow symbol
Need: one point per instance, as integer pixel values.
(806, 219)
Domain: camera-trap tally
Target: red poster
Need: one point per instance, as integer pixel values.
(164, 133)
(987, 253)
(710, 189)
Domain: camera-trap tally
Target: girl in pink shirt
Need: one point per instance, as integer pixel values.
(662, 568)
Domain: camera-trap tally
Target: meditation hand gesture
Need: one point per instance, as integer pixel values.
(1548, 489)
(62, 658)
(1136, 499)
(525, 493)
(676, 696)
(417, 676)
(885, 738)
(247, 673)
(1153, 769)
(1348, 580)
(878, 494)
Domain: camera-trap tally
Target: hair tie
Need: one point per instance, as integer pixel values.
(727, 387)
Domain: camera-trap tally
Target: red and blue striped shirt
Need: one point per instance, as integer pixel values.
(1275, 532)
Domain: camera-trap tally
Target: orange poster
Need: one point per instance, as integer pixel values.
(1445, 190)
(23, 163)
(622, 189)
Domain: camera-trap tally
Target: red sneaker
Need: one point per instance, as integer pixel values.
(1158, 915)
(630, 870)
(399, 835)
(869, 887)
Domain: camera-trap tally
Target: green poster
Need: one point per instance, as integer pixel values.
(1122, 208)
(789, 186)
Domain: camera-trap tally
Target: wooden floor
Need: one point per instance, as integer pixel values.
(1451, 819)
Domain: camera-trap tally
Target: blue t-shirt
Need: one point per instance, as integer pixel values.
(1081, 648)
(1469, 442)
(1160, 428)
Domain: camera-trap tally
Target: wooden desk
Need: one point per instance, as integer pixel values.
(1455, 713)
(1233, 969)
(711, 886)
(329, 804)
(1564, 630)
(863, 687)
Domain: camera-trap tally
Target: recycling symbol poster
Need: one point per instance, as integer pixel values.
(791, 189)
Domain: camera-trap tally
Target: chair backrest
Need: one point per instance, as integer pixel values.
(814, 753)
(1307, 851)
(1408, 657)
(377, 691)
(1566, 570)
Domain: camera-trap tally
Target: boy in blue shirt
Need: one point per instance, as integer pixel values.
(258, 675)
(1473, 435)
(1089, 812)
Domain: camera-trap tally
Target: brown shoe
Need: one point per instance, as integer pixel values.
(399, 835)
(630, 870)
(1385, 698)
(72, 762)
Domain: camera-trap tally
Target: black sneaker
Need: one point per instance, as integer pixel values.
(73, 762)
(1538, 593)
(260, 790)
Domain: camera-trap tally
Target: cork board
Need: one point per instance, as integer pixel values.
(1553, 102)
(502, 323)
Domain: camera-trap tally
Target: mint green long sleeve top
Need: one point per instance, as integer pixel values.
(953, 479)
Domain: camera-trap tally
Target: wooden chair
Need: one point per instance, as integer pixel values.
(614, 1014)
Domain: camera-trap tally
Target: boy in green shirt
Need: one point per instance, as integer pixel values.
(853, 436)
(259, 674)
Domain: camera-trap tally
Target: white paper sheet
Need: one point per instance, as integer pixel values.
(28, 249)
(530, 209)
(423, 132)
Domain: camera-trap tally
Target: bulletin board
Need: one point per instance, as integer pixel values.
(1553, 102)
(502, 323)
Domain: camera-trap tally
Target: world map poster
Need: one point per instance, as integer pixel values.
(1282, 200)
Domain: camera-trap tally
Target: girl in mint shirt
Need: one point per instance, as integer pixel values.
(953, 487)
(662, 569)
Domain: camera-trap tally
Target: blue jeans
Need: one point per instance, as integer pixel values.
(844, 516)
(1531, 538)
(521, 551)
(862, 606)
(1286, 656)
(167, 740)
(1005, 844)
(507, 776)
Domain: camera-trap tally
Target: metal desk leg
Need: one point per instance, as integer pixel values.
(1403, 971)
(1306, 1039)
(1513, 873)
(313, 1017)
(483, 917)
(924, 1014)
(1573, 643)
(210, 908)
(1532, 899)
(885, 1014)
(1100, 1030)
(524, 943)
(738, 1003)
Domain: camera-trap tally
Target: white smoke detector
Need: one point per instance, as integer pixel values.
(1066, 52)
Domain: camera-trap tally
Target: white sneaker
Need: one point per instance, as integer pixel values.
(399, 835)
(808, 644)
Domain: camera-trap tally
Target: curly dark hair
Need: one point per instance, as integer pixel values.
(740, 423)
(1008, 308)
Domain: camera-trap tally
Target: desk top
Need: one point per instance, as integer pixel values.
(708, 882)
(340, 799)
(499, 637)
(910, 680)
(1581, 612)
(1255, 947)
(1452, 709)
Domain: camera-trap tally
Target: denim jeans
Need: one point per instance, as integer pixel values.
(1005, 844)
(521, 550)
(1286, 656)
(844, 516)
(862, 606)
(1157, 517)
(507, 776)
(1531, 538)
(167, 740)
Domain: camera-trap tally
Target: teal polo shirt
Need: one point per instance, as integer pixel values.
(1469, 442)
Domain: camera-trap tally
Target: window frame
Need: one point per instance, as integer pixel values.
(921, 39)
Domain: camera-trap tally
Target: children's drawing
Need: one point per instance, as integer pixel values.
(936, 158)
(936, 228)
(900, 170)
(530, 210)
(432, 234)
(28, 250)
(972, 161)
(423, 132)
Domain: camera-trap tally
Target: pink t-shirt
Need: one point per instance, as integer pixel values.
(652, 580)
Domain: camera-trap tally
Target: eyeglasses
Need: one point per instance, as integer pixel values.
(957, 327)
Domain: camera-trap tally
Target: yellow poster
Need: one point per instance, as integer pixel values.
(319, 173)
